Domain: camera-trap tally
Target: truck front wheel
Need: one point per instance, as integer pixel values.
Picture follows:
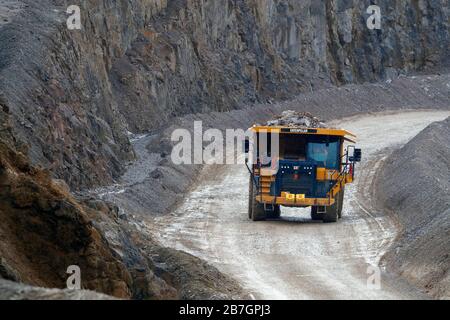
(331, 214)
(341, 202)
(258, 212)
(334, 212)
(250, 198)
(315, 215)
(275, 214)
(255, 209)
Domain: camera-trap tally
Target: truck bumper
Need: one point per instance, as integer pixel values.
(295, 201)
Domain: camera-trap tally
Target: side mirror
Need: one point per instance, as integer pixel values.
(246, 149)
(357, 155)
(246, 146)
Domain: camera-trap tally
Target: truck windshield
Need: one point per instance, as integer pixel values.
(325, 153)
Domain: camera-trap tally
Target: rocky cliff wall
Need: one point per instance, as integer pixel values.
(198, 56)
(74, 95)
(56, 85)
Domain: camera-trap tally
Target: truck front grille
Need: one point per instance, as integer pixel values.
(302, 185)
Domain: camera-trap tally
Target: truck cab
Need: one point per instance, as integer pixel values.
(300, 167)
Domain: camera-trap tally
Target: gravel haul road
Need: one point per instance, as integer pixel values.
(294, 257)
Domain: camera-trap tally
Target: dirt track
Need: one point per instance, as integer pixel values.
(295, 258)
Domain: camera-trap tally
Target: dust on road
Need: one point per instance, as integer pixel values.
(296, 258)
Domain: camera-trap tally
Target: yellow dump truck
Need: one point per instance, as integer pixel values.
(310, 168)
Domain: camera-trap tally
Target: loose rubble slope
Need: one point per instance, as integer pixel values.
(10, 290)
(415, 186)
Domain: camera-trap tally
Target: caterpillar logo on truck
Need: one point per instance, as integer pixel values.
(309, 169)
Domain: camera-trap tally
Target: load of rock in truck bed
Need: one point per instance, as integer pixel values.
(292, 118)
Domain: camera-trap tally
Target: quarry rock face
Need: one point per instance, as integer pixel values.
(73, 94)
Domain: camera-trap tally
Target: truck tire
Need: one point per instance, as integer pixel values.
(332, 212)
(275, 214)
(341, 202)
(258, 213)
(315, 215)
(250, 197)
(256, 209)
